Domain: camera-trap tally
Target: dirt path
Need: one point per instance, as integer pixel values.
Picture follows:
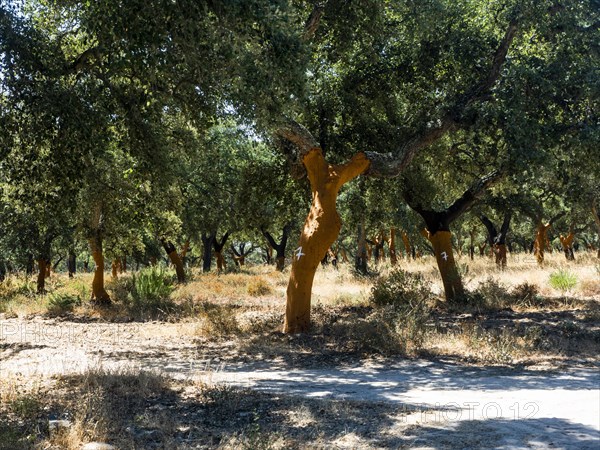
(447, 405)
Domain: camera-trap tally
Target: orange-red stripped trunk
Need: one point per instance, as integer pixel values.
(442, 246)
(500, 253)
(220, 261)
(541, 237)
(41, 279)
(321, 229)
(99, 294)
(567, 245)
(115, 268)
(175, 260)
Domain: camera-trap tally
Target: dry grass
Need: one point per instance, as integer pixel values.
(134, 409)
(247, 307)
(510, 317)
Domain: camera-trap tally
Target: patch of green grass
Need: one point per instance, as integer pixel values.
(61, 303)
(563, 280)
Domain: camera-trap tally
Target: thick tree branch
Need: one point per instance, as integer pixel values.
(492, 232)
(314, 20)
(555, 218)
(392, 164)
(269, 238)
(505, 224)
(471, 195)
(83, 60)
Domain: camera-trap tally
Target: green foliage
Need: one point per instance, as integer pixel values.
(152, 285)
(61, 303)
(400, 288)
(563, 280)
(26, 406)
(145, 293)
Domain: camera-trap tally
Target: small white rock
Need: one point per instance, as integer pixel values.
(55, 425)
(98, 446)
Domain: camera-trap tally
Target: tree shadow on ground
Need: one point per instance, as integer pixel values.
(543, 433)
(143, 411)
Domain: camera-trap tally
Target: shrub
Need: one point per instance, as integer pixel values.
(398, 324)
(400, 288)
(61, 303)
(150, 291)
(526, 295)
(490, 294)
(563, 280)
(217, 320)
(259, 287)
(385, 330)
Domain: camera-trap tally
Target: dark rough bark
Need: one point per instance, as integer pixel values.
(72, 264)
(207, 242)
(29, 266)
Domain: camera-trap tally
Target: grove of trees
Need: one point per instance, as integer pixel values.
(134, 131)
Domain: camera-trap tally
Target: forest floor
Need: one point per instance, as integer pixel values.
(518, 371)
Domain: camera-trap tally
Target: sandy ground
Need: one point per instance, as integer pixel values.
(448, 405)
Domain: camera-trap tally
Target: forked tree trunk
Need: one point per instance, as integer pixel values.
(321, 229)
(438, 231)
(99, 294)
(239, 254)
(218, 246)
(442, 247)
(41, 278)
(392, 247)
(279, 248)
(175, 259)
(567, 245)
(482, 247)
(497, 240)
